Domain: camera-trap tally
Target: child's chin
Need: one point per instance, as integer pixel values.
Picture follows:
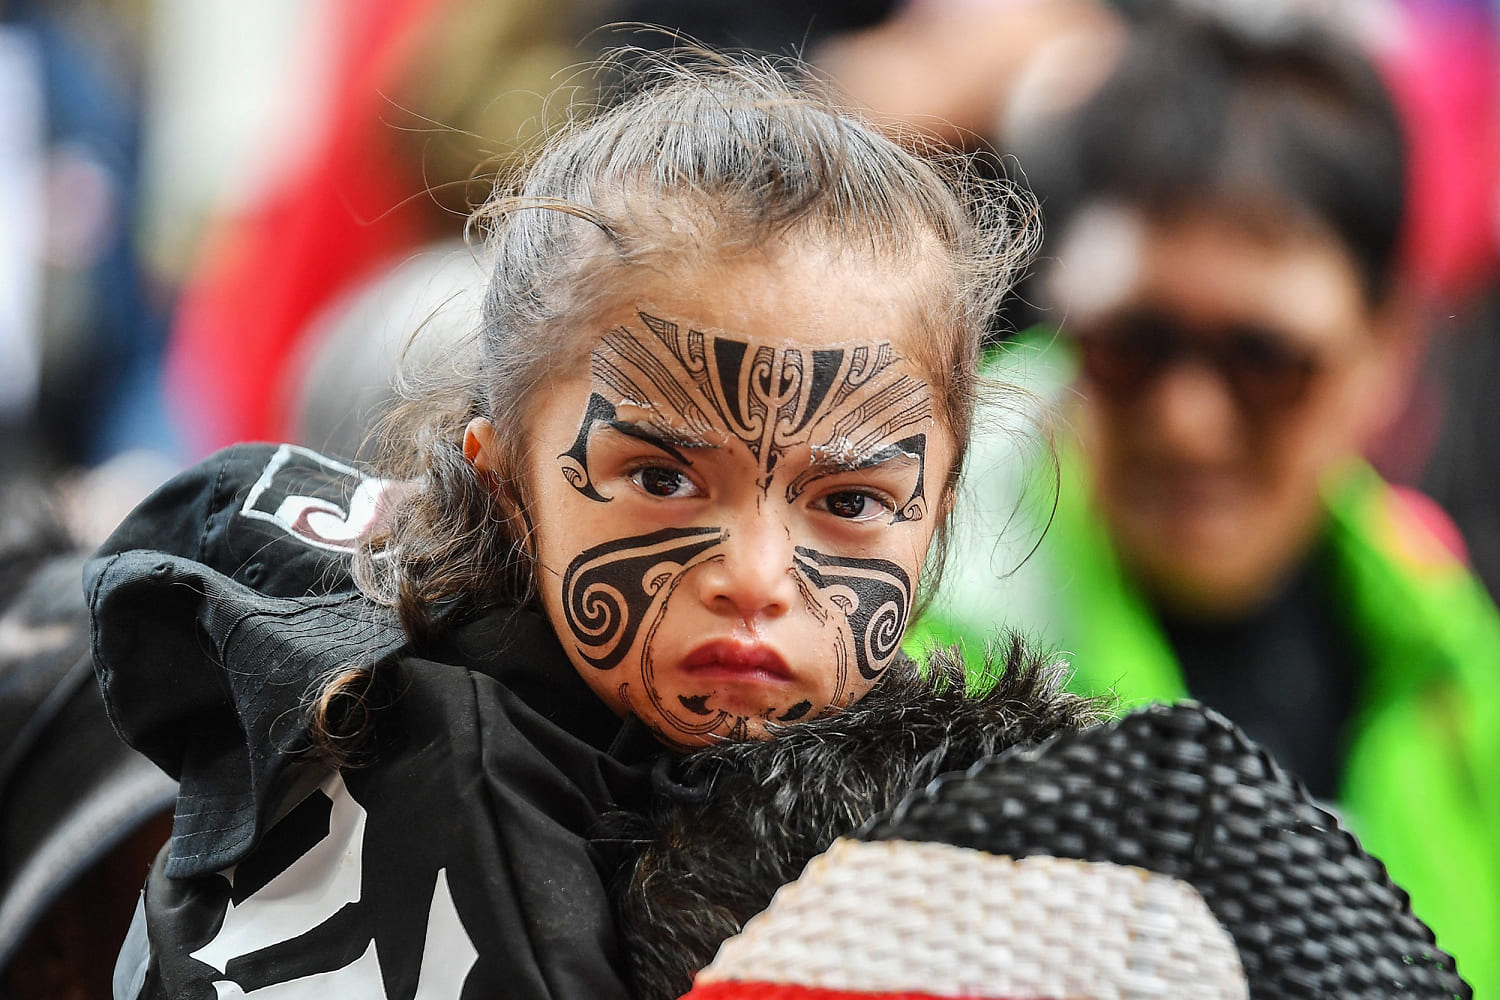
(762, 726)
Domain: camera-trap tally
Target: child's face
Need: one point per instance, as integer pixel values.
(731, 507)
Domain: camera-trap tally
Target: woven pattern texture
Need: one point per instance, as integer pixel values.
(897, 916)
(1181, 791)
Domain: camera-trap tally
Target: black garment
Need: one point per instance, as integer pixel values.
(457, 864)
(508, 824)
(1285, 673)
(78, 810)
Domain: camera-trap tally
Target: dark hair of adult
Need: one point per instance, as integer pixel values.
(1199, 114)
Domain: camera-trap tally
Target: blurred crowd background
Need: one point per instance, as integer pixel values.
(195, 192)
(222, 221)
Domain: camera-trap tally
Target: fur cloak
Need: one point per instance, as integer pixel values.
(731, 824)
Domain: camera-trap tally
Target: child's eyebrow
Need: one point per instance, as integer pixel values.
(667, 441)
(844, 456)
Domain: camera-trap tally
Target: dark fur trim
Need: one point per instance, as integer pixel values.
(736, 821)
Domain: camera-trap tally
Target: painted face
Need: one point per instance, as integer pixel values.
(732, 505)
(1226, 372)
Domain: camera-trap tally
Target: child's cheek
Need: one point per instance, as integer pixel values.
(611, 589)
(872, 596)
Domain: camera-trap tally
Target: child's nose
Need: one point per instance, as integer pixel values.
(753, 576)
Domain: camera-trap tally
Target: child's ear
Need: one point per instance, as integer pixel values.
(482, 447)
(947, 500)
(950, 501)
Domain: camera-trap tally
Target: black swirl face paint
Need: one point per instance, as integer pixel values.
(913, 508)
(739, 431)
(874, 596)
(796, 712)
(575, 461)
(609, 589)
(706, 387)
(696, 715)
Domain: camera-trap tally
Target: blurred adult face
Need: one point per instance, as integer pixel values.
(1226, 370)
(732, 504)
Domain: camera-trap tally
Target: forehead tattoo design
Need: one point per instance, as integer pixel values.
(849, 405)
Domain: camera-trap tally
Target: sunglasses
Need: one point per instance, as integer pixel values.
(1264, 370)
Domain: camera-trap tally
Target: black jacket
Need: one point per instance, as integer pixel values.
(457, 864)
(510, 837)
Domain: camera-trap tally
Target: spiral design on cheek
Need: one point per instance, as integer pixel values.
(599, 611)
(874, 596)
(883, 632)
(608, 589)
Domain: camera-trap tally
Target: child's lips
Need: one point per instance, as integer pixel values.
(726, 659)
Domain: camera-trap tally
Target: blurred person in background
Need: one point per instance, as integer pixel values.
(982, 73)
(82, 318)
(1227, 211)
(83, 436)
(81, 325)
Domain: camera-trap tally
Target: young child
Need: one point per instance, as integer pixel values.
(685, 490)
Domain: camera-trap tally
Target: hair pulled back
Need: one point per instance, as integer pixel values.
(697, 156)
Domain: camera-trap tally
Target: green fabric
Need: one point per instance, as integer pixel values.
(1420, 781)
(1421, 778)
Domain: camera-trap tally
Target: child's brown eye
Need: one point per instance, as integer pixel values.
(660, 481)
(852, 505)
